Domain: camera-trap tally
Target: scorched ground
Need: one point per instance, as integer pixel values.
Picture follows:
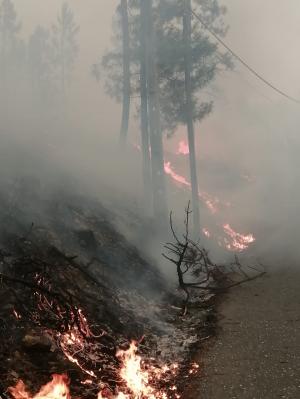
(83, 314)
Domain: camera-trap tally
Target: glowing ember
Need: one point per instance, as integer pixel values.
(17, 315)
(183, 148)
(211, 203)
(239, 242)
(87, 382)
(206, 233)
(72, 343)
(56, 389)
(194, 368)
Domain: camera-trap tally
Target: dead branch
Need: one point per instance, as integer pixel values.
(193, 260)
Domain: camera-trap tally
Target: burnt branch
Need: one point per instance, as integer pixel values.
(193, 260)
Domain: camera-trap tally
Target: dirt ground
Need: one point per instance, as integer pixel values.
(256, 354)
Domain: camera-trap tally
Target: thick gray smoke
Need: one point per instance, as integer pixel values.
(247, 148)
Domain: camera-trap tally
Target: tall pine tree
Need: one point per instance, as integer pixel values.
(65, 46)
(185, 60)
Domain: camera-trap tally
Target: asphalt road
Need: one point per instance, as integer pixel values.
(256, 354)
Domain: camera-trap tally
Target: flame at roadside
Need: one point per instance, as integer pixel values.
(139, 381)
(58, 388)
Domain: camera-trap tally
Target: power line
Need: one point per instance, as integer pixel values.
(253, 71)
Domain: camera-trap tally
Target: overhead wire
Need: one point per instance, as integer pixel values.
(243, 62)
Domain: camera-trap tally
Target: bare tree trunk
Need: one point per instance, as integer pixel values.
(157, 154)
(4, 60)
(144, 108)
(63, 71)
(126, 73)
(187, 32)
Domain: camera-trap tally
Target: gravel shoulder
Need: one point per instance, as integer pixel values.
(256, 354)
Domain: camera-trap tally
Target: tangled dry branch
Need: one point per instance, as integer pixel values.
(194, 264)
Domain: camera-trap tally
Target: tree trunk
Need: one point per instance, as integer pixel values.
(3, 59)
(63, 68)
(187, 32)
(157, 155)
(144, 108)
(126, 73)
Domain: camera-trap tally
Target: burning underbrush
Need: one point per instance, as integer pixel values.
(219, 211)
(84, 315)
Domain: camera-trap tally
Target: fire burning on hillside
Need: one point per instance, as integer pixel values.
(138, 381)
(103, 363)
(238, 241)
(210, 202)
(233, 240)
(58, 388)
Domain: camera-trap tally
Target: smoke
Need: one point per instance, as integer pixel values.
(254, 130)
(247, 149)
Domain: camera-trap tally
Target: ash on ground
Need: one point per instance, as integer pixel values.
(73, 291)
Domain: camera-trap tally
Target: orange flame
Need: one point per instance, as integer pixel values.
(235, 241)
(177, 178)
(206, 232)
(131, 372)
(55, 389)
(138, 381)
(72, 342)
(183, 148)
(239, 242)
(210, 202)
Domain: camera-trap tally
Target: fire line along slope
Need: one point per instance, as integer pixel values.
(78, 299)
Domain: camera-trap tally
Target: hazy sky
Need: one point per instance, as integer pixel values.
(265, 33)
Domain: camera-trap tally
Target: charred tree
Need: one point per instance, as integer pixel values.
(144, 106)
(126, 72)
(156, 142)
(187, 33)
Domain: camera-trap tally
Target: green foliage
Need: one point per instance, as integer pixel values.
(207, 59)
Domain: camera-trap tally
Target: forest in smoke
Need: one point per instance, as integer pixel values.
(141, 158)
(54, 112)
